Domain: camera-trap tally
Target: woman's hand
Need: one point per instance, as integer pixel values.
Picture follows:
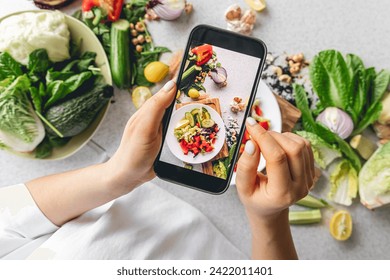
(132, 164)
(290, 175)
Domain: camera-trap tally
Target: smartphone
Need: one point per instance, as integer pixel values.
(205, 123)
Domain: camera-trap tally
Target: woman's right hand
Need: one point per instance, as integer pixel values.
(290, 172)
(290, 175)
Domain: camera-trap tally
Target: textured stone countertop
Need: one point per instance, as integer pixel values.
(356, 26)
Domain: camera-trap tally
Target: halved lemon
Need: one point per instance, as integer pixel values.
(140, 95)
(340, 226)
(257, 5)
(182, 123)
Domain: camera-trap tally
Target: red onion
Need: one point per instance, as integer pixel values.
(167, 9)
(219, 76)
(337, 121)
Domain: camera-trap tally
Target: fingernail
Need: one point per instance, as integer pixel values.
(251, 121)
(249, 147)
(169, 85)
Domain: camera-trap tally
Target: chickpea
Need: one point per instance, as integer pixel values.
(139, 48)
(135, 41)
(139, 27)
(134, 32)
(141, 39)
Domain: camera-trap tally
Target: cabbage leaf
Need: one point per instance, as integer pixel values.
(374, 179)
(343, 183)
(20, 128)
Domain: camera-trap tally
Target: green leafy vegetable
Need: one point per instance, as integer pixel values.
(134, 9)
(38, 64)
(20, 128)
(302, 104)
(323, 152)
(58, 89)
(374, 179)
(45, 148)
(81, 64)
(331, 79)
(9, 67)
(344, 183)
(36, 98)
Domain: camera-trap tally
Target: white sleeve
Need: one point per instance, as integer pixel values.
(21, 221)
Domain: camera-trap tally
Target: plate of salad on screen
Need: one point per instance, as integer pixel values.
(196, 133)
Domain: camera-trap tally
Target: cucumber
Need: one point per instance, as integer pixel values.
(206, 123)
(312, 202)
(120, 53)
(190, 118)
(194, 111)
(304, 217)
(75, 115)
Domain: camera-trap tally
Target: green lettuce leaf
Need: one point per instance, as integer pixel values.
(343, 183)
(9, 67)
(374, 179)
(20, 128)
(359, 86)
(58, 89)
(38, 64)
(331, 79)
(300, 96)
(376, 91)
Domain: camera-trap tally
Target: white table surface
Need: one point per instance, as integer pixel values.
(357, 26)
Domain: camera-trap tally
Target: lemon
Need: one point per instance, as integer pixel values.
(182, 123)
(193, 93)
(257, 5)
(156, 71)
(140, 95)
(340, 226)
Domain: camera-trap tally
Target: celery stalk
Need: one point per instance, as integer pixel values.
(304, 217)
(312, 202)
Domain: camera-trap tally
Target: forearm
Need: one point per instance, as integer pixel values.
(65, 196)
(271, 238)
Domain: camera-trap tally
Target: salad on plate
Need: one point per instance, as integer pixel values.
(196, 132)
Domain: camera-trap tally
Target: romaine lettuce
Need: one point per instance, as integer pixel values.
(374, 179)
(20, 128)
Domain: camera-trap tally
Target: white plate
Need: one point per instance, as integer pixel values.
(271, 111)
(174, 146)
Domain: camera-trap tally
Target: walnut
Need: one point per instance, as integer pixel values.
(238, 22)
(237, 105)
(233, 12)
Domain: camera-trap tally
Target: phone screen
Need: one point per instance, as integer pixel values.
(209, 110)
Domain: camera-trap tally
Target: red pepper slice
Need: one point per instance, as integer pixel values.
(258, 111)
(203, 53)
(265, 124)
(112, 7)
(246, 137)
